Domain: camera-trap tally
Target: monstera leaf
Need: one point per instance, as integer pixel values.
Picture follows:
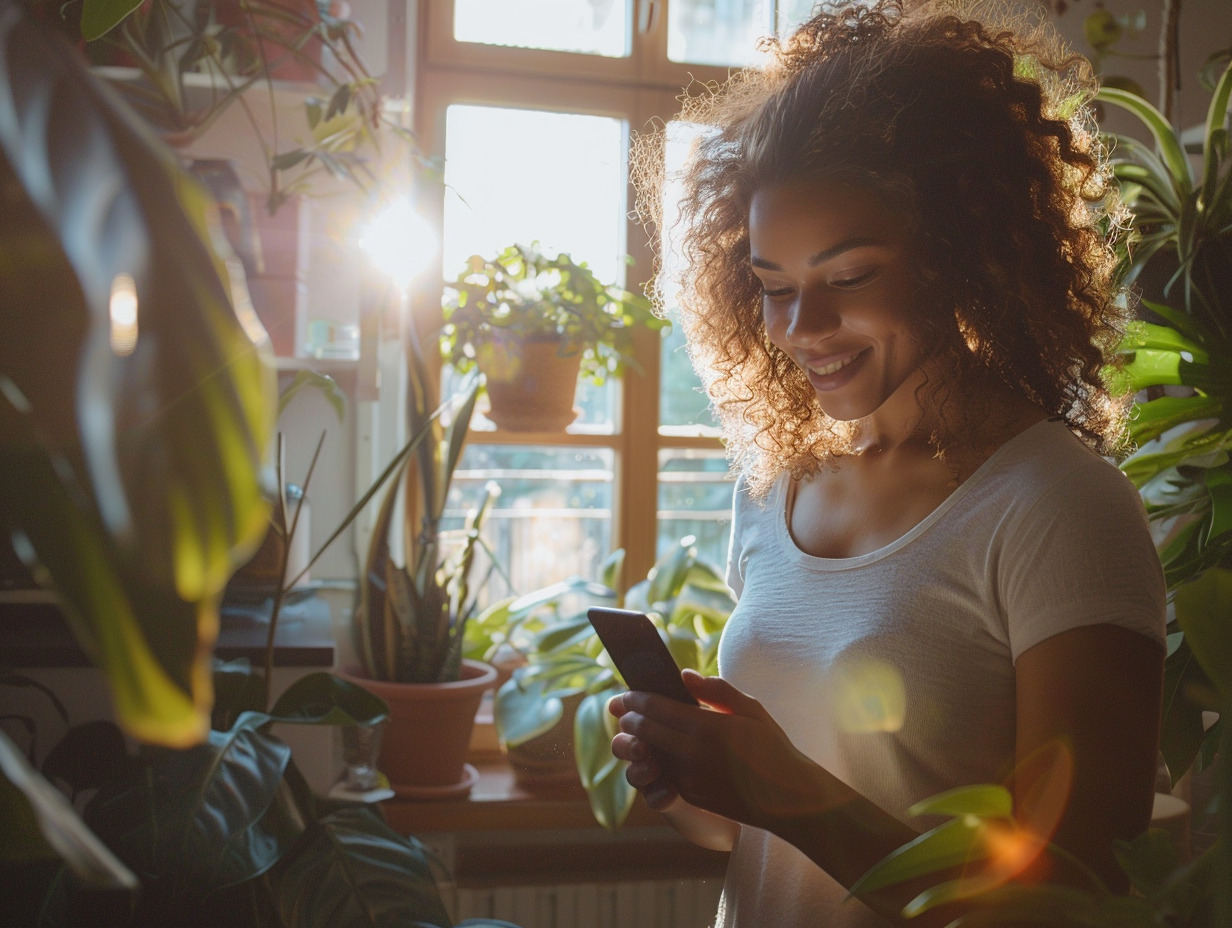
(135, 399)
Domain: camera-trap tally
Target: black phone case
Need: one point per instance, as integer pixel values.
(639, 653)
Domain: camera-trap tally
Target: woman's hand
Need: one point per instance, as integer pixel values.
(730, 758)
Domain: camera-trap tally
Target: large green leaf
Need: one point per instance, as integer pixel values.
(1166, 140)
(951, 844)
(1204, 613)
(40, 823)
(156, 434)
(1182, 730)
(603, 775)
(352, 869)
(524, 710)
(326, 699)
(201, 818)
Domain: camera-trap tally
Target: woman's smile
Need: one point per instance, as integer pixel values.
(833, 261)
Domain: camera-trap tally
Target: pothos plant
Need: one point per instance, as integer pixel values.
(523, 293)
(687, 600)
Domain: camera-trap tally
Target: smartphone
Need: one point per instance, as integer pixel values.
(639, 653)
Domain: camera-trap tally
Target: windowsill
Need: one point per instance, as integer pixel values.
(502, 834)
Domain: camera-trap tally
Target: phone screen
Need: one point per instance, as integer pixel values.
(639, 653)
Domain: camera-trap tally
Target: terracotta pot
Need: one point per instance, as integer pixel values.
(530, 383)
(423, 751)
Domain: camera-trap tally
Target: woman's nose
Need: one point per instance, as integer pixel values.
(811, 317)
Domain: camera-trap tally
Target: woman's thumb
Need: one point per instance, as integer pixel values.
(720, 695)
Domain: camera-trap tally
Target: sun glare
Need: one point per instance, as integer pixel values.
(400, 242)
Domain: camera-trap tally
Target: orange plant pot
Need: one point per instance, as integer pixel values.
(423, 751)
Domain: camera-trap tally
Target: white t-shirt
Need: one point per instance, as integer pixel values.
(894, 670)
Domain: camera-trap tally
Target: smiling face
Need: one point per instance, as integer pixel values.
(833, 261)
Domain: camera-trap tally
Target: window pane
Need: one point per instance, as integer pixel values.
(553, 519)
(683, 404)
(719, 32)
(695, 497)
(520, 175)
(726, 32)
(593, 27)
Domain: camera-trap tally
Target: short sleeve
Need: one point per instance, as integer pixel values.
(1081, 555)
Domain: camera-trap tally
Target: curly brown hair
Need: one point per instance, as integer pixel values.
(977, 129)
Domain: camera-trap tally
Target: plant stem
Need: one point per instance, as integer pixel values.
(280, 588)
(1169, 76)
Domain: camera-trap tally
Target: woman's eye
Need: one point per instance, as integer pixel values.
(775, 292)
(854, 280)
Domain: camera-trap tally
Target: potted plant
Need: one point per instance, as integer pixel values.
(136, 410)
(410, 624)
(186, 62)
(533, 324)
(551, 716)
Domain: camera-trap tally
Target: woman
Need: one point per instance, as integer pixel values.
(900, 296)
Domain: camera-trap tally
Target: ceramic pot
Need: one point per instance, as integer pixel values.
(530, 383)
(423, 751)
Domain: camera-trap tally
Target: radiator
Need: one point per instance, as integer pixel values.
(642, 904)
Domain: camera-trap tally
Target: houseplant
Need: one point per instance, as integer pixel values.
(136, 408)
(1181, 257)
(569, 678)
(533, 324)
(410, 624)
(189, 61)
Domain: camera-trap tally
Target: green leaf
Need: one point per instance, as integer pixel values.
(669, 572)
(562, 635)
(325, 384)
(353, 870)
(98, 17)
(1216, 118)
(201, 818)
(592, 740)
(1149, 860)
(1152, 419)
(324, 699)
(988, 801)
(1182, 728)
(1166, 140)
(39, 822)
(954, 843)
(523, 710)
(1140, 335)
(1218, 482)
(1202, 611)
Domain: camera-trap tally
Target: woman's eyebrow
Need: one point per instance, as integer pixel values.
(821, 256)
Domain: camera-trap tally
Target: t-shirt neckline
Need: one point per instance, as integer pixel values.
(782, 493)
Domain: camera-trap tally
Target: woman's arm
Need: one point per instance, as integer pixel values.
(1093, 690)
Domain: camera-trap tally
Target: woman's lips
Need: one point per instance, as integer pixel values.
(833, 371)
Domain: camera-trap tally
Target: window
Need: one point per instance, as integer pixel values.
(532, 106)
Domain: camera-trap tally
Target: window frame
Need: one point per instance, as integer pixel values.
(638, 90)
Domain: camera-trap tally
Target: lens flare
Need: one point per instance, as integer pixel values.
(123, 312)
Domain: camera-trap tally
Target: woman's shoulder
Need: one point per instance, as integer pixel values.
(1048, 472)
